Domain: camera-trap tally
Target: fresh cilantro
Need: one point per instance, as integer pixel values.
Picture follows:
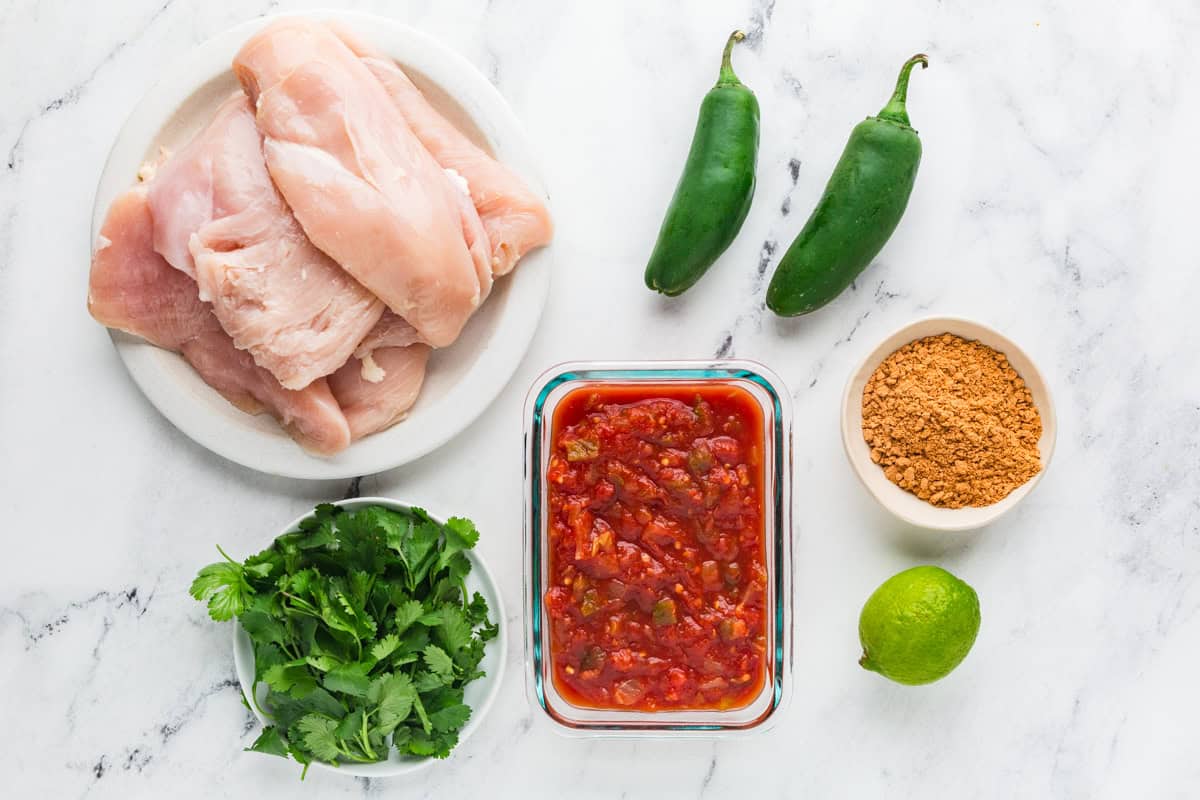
(453, 632)
(351, 724)
(292, 678)
(427, 681)
(438, 662)
(224, 587)
(385, 647)
(319, 734)
(460, 535)
(351, 680)
(263, 627)
(393, 696)
(324, 662)
(419, 707)
(450, 718)
(266, 655)
(269, 741)
(415, 639)
(364, 635)
(477, 610)
(407, 612)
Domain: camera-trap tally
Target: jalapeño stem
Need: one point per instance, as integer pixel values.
(727, 76)
(895, 110)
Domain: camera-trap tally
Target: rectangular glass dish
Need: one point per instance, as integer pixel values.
(775, 454)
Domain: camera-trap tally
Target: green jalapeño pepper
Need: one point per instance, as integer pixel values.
(861, 206)
(714, 193)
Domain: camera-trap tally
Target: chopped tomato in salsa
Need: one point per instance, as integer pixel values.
(657, 577)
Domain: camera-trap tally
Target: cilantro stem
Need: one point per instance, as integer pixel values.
(254, 700)
(302, 605)
(364, 740)
(348, 753)
(227, 558)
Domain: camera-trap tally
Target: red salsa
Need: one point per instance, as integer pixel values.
(657, 586)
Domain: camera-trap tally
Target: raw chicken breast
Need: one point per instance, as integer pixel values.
(514, 217)
(218, 218)
(376, 389)
(360, 183)
(390, 331)
(133, 289)
(474, 235)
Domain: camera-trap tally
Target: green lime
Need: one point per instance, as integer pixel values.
(918, 626)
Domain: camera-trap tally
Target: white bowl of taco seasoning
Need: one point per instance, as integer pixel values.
(905, 504)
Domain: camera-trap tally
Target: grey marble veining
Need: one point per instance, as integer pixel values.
(1056, 201)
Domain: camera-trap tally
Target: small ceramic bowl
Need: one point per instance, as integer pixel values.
(909, 507)
(479, 694)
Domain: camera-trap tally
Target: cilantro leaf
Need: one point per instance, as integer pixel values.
(224, 587)
(438, 662)
(263, 627)
(360, 584)
(319, 734)
(415, 639)
(488, 632)
(350, 679)
(290, 678)
(304, 632)
(431, 618)
(426, 681)
(469, 657)
(316, 530)
(414, 540)
(477, 609)
(454, 632)
(333, 612)
(419, 550)
(302, 582)
(266, 656)
(350, 724)
(323, 513)
(396, 528)
(393, 695)
(437, 745)
(360, 539)
(269, 741)
(287, 709)
(323, 662)
(385, 647)
(343, 610)
(421, 744)
(407, 613)
(449, 587)
(400, 738)
(450, 718)
(261, 565)
(460, 535)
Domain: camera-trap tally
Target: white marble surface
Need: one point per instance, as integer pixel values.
(1056, 201)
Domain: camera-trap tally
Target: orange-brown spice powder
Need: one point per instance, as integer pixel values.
(952, 422)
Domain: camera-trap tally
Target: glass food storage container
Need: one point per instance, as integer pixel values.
(771, 397)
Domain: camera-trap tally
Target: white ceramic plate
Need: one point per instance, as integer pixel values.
(462, 380)
(479, 694)
(908, 506)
